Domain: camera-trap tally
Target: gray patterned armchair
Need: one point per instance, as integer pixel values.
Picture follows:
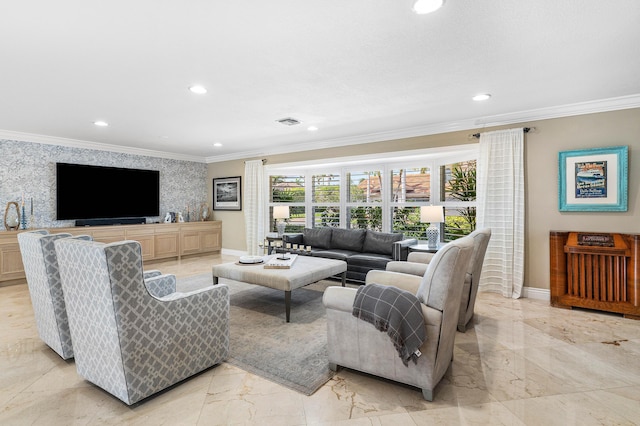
(126, 340)
(43, 279)
(357, 344)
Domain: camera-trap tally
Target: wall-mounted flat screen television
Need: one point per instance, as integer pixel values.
(97, 192)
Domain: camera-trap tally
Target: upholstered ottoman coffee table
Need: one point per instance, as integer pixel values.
(304, 271)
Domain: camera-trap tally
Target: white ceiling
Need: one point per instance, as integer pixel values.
(360, 70)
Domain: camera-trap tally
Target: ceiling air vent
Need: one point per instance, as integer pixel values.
(288, 121)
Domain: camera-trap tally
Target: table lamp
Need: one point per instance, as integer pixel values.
(280, 212)
(432, 215)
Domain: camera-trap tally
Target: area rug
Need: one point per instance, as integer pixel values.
(292, 354)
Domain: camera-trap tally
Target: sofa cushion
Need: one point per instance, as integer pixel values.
(380, 242)
(347, 239)
(318, 238)
(334, 254)
(366, 261)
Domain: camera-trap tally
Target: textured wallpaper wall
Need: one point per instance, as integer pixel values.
(30, 169)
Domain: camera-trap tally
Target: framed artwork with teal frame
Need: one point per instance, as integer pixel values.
(593, 180)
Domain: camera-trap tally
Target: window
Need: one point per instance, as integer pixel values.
(364, 196)
(325, 200)
(407, 221)
(365, 217)
(373, 194)
(288, 190)
(410, 185)
(459, 196)
(410, 188)
(365, 187)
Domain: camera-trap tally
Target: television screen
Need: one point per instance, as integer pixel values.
(96, 192)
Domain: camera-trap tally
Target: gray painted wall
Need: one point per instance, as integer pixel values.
(30, 168)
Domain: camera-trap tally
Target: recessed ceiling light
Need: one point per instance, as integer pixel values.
(198, 89)
(101, 123)
(481, 97)
(422, 7)
(289, 121)
(312, 128)
(217, 144)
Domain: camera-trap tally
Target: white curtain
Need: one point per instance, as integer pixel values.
(500, 198)
(254, 194)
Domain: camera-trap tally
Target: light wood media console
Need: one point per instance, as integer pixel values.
(158, 241)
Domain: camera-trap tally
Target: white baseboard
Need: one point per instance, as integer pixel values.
(233, 252)
(536, 293)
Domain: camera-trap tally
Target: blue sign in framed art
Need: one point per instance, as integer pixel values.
(593, 180)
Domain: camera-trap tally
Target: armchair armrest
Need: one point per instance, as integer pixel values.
(401, 248)
(339, 298)
(407, 282)
(161, 285)
(151, 273)
(181, 295)
(420, 257)
(413, 268)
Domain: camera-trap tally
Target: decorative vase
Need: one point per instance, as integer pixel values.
(23, 218)
(433, 237)
(12, 216)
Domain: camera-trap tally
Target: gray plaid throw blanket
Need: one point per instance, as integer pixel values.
(395, 311)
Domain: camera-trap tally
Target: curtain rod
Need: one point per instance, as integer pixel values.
(264, 161)
(526, 130)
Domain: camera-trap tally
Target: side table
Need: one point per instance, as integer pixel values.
(424, 248)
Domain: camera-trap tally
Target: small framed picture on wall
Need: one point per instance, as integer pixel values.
(593, 180)
(227, 193)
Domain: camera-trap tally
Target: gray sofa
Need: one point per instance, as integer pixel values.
(362, 249)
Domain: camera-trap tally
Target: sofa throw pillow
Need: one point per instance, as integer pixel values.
(380, 242)
(347, 239)
(318, 238)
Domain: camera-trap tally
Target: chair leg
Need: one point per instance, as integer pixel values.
(333, 367)
(427, 394)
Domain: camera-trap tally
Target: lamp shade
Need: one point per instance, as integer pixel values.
(281, 212)
(430, 214)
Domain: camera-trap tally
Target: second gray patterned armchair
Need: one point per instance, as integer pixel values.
(126, 340)
(417, 263)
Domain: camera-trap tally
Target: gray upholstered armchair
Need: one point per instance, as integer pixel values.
(126, 340)
(417, 262)
(43, 279)
(357, 344)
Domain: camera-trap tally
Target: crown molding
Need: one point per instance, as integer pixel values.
(75, 143)
(581, 108)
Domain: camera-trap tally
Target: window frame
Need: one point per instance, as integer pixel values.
(385, 163)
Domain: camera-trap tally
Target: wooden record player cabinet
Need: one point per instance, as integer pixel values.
(603, 275)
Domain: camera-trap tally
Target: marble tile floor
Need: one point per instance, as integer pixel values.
(521, 363)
